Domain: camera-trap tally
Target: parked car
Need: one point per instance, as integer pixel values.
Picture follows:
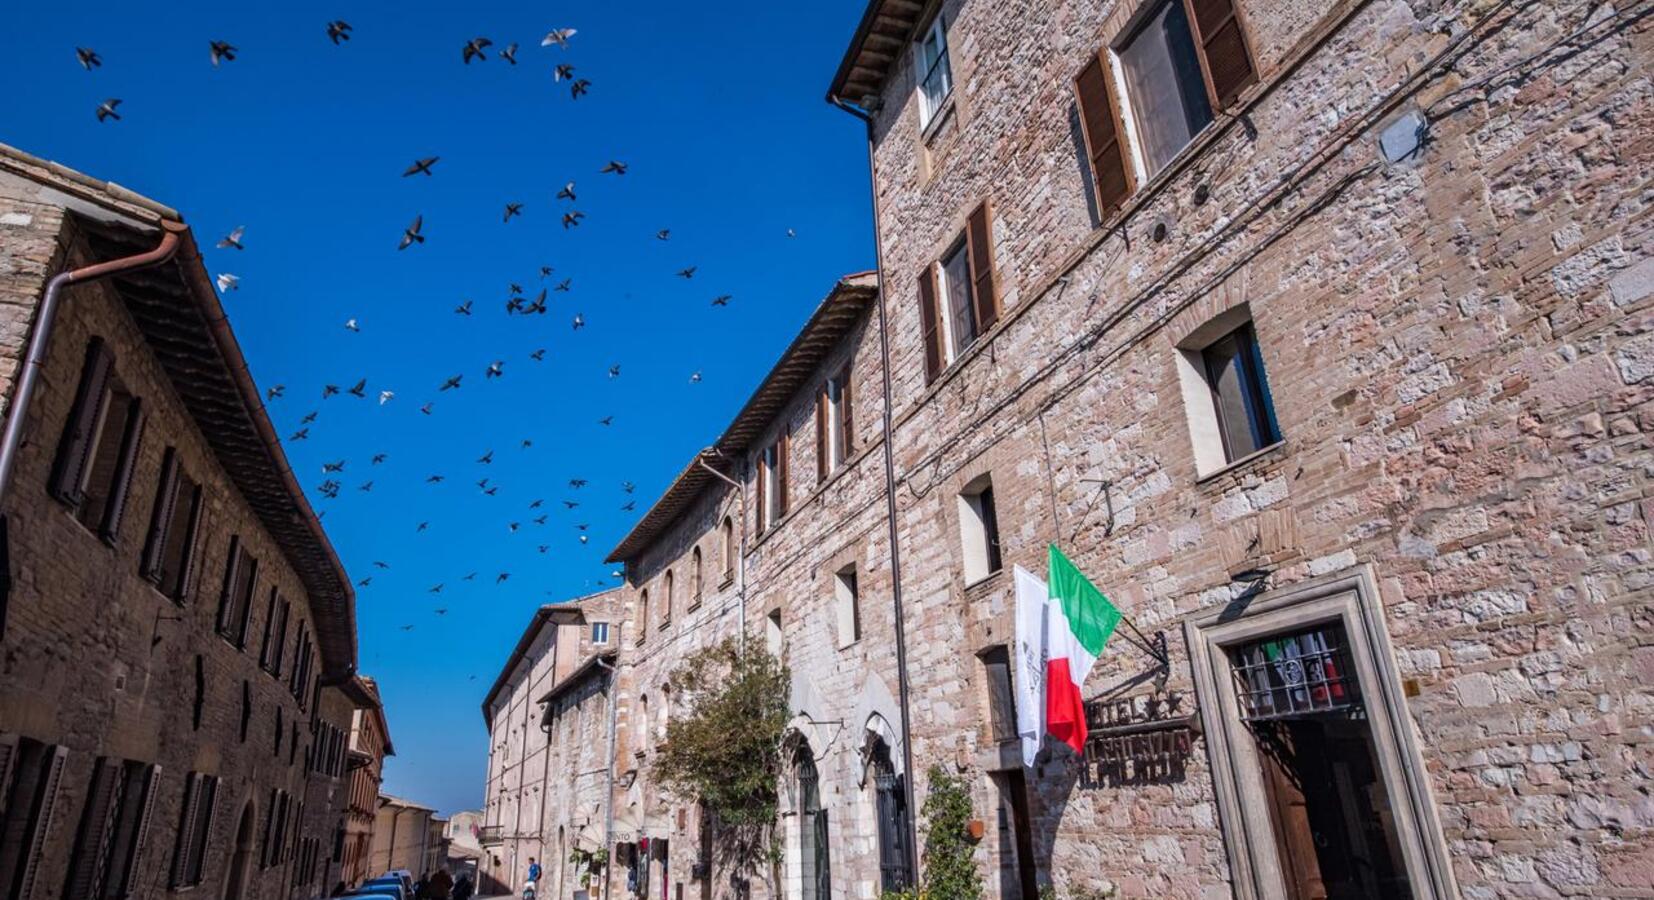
(392, 886)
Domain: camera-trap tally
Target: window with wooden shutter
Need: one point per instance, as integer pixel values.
(160, 518)
(824, 441)
(846, 418)
(75, 447)
(186, 832)
(984, 291)
(265, 651)
(782, 453)
(107, 460)
(97, 823)
(29, 815)
(1111, 175)
(1225, 58)
(281, 639)
(132, 831)
(928, 322)
(226, 599)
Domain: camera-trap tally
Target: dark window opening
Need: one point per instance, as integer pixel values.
(813, 838)
(895, 843)
(1002, 715)
(1240, 393)
(246, 709)
(93, 468)
(29, 803)
(169, 552)
(1167, 90)
(200, 693)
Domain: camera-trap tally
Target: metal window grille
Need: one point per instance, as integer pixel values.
(1303, 673)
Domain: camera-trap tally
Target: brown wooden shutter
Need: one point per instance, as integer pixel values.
(281, 638)
(45, 808)
(189, 540)
(823, 442)
(232, 570)
(8, 757)
(91, 853)
(1100, 123)
(160, 519)
(846, 418)
(71, 460)
(1224, 57)
(121, 487)
(147, 782)
(979, 238)
(763, 509)
(927, 321)
(186, 827)
(782, 452)
(269, 631)
(244, 599)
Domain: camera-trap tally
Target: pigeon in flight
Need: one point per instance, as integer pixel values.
(386, 397)
(470, 577)
(311, 417)
(106, 109)
(233, 239)
(536, 504)
(618, 168)
(441, 611)
(338, 30)
(572, 218)
(359, 390)
(407, 627)
(511, 527)
(563, 72)
(527, 443)
(577, 483)
(379, 564)
(485, 459)
(538, 354)
(580, 87)
(538, 306)
(509, 54)
(426, 409)
(275, 393)
(421, 166)
(436, 588)
(328, 468)
(378, 458)
(88, 57)
(696, 377)
(422, 526)
(496, 369)
(221, 51)
(463, 309)
(491, 491)
(665, 234)
(614, 371)
(474, 49)
(558, 36)
(627, 486)
(366, 486)
(571, 504)
(544, 271)
(514, 288)
(329, 390)
(513, 209)
(411, 235)
(301, 434)
(567, 193)
(721, 300)
(451, 383)
(365, 582)
(540, 520)
(579, 321)
(791, 233)
(629, 506)
(433, 479)
(687, 273)
(350, 325)
(502, 577)
(606, 420)
(563, 286)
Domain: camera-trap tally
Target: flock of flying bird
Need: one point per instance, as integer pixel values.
(518, 302)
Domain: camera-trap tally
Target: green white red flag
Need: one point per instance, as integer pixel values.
(1062, 627)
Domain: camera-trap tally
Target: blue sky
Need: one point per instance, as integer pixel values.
(717, 110)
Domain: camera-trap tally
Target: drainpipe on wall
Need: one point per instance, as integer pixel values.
(35, 362)
(741, 557)
(865, 115)
(609, 792)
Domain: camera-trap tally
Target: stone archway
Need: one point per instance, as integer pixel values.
(241, 856)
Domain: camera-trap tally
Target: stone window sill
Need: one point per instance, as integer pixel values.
(1242, 463)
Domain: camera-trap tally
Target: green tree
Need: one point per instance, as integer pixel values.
(724, 751)
(950, 861)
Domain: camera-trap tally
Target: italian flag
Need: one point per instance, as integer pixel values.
(1065, 625)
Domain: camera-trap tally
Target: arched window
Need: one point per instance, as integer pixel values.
(695, 585)
(890, 796)
(812, 829)
(729, 548)
(666, 605)
(642, 613)
(641, 732)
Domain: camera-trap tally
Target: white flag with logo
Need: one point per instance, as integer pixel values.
(1030, 662)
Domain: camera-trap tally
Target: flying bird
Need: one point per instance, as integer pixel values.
(436, 588)
(221, 51)
(474, 49)
(509, 54)
(440, 611)
(567, 193)
(451, 383)
(88, 57)
(536, 504)
(407, 627)
(299, 435)
(629, 506)
(580, 87)
(385, 397)
(503, 576)
(722, 300)
(665, 234)
(411, 235)
(544, 271)
(276, 392)
(422, 526)
(338, 30)
(577, 483)
(579, 321)
(563, 286)
(606, 420)
(106, 109)
(563, 71)
(359, 390)
(696, 377)
(558, 36)
(463, 309)
(496, 369)
(539, 305)
(514, 287)
(470, 577)
(378, 458)
(421, 166)
(511, 527)
(538, 354)
(366, 486)
(614, 371)
(228, 282)
(311, 416)
(329, 390)
(333, 467)
(572, 218)
(527, 443)
(350, 325)
(485, 459)
(571, 504)
(513, 209)
(618, 168)
(627, 486)
(433, 479)
(365, 582)
(426, 409)
(233, 239)
(687, 273)
(379, 564)
(791, 233)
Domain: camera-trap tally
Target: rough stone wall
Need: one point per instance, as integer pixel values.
(1458, 352)
(94, 658)
(326, 802)
(576, 793)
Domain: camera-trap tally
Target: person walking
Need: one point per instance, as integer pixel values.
(533, 876)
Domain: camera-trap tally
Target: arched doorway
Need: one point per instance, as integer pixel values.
(817, 878)
(235, 886)
(890, 797)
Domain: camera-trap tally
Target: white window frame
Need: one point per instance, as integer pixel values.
(847, 604)
(835, 423)
(1351, 599)
(937, 30)
(973, 533)
(600, 628)
(944, 304)
(774, 637)
(1199, 407)
(769, 469)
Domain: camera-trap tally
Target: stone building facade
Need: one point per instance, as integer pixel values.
(175, 629)
(1317, 337)
(406, 836)
(526, 762)
(370, 743)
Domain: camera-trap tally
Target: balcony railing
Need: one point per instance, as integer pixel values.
(490, 835)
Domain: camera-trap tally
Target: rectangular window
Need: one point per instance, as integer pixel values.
(113, 826)
(959, 296)
(979, 530)
(772, 633)
(30, 774)
(1240, 393)
(834, 435)
(235, 604)
(194, 824)
(1002, 714)
(170, 550)
(847, 603)
(772, 484)
(1322, 774)
(600, 633)
(1163, 79)
(935, 76)
(93, 468)
(958, 307)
